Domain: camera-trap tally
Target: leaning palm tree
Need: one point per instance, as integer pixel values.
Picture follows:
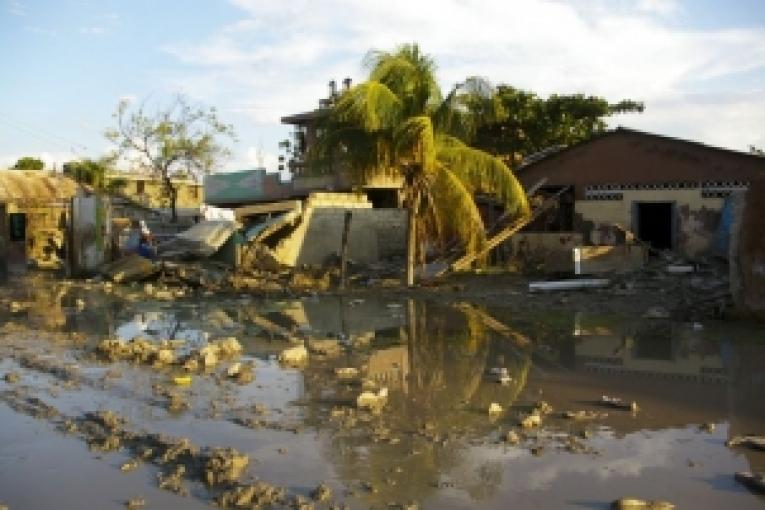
(398, 122)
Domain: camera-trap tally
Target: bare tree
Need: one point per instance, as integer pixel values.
(178, 141)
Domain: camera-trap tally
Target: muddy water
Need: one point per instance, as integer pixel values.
(433, 444)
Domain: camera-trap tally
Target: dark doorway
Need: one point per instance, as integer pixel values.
(654, 224)
(383, 198)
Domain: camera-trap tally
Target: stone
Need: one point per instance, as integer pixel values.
(372, 401)
(294, 356)
(531, 421)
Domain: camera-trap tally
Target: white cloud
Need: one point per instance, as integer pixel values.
(16, 8)
(94, 30)
(279, 57)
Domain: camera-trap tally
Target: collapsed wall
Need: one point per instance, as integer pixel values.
(374, 235)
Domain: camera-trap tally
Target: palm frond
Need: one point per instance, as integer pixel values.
(415, 141)
(371, 106)
(483, 173)
(456, 210)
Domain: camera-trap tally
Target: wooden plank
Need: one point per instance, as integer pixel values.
(505, 233)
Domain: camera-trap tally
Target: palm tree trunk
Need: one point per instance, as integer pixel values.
(411, 243)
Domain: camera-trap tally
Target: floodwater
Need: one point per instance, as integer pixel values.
(433, 444)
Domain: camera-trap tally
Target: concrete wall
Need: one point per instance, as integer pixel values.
(375, 234)
(696, 222)
(550, 250)
(609, 259)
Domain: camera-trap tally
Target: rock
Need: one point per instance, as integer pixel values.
(294, 356)
(129, 466)
(11, 377)
(165, 356)
(134, 503)
(234, 369)
(173, 481)
(512, 437)
(618, 403)
(225, 465)
(542, 408)
(641, 504)
(756, 442)
(707, 427)
(321, 493)
(531, 421)
(242, 373)
(228, 347)
(209, 356)
(372, 401)
(754, 481)
(495, 409)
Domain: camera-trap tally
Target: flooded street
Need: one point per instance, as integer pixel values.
(454, 431)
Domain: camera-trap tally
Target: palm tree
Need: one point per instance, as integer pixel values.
(398, 123)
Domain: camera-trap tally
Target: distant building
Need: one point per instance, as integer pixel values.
(148, 192)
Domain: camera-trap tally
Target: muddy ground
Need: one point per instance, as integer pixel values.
(474, 393)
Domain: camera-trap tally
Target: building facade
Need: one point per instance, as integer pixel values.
(667, 192)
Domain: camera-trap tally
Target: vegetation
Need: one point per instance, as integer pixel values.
(398, 122)
(521, 123)
(29, 163)
(177, 141)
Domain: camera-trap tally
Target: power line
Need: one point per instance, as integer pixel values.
(42, 133)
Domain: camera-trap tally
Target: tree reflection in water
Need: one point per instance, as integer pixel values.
(436, 408)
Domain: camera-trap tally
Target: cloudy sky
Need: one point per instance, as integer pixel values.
(699, 65)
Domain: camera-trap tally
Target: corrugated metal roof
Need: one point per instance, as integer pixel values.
(35, 185)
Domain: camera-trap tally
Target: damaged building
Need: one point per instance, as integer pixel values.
(625, 194)
(35, 207)
(300, 221)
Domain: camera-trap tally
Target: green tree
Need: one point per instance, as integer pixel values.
(397, 122)
(526, 123)
(87, 171)
(179, 140)
(29, 163)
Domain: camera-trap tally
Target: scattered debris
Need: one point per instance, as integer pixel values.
(501, 375)
(321, 493)
(584, 415)
(372, 401)
(129, 465)
(347, 373)
(328, 347)
(641, 504)
(495, 409)
(532, 420)
(294, 356)
(11, 377)
(756, 442)
(225, 465)
(512, 437)
(584, 283)
(754, 481)
(618, 403)
(707, 427)
(135, 503)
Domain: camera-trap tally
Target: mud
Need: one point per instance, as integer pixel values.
(157, 404)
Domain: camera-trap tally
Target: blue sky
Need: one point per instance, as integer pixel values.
(699, 65)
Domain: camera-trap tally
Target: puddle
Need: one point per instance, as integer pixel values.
(434, 443)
